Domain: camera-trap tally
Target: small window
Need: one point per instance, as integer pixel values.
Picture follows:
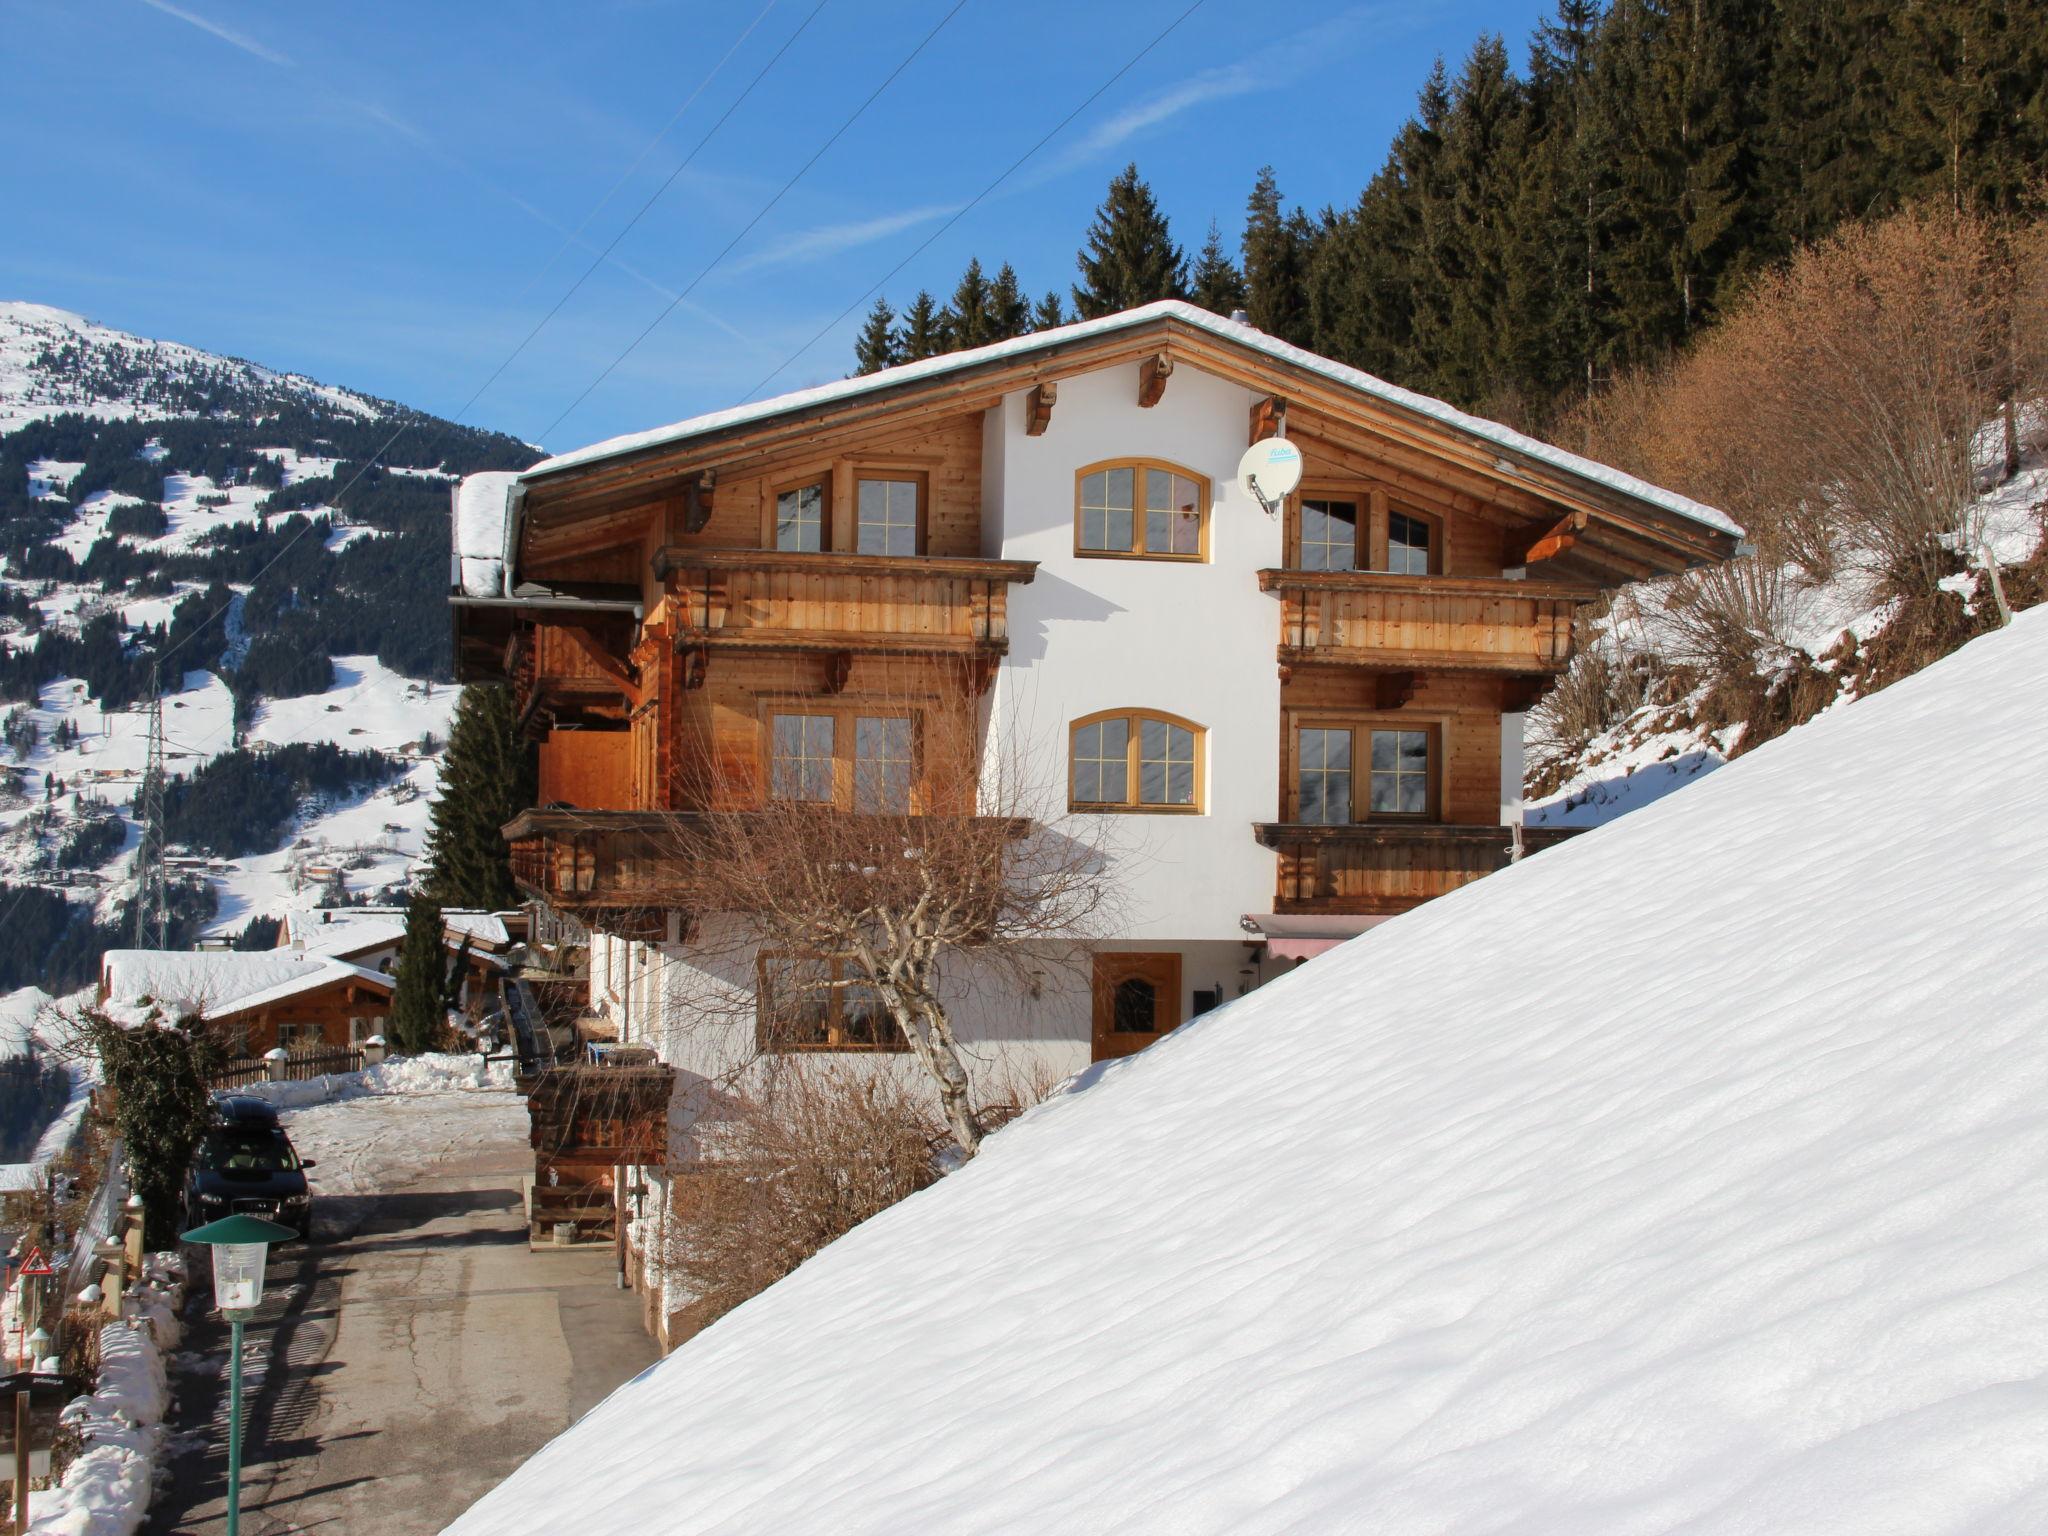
(1329, 534)
(808, 1004)
(1350, 773)
(1408, 545)
(1134, 761)
(801, 764)
(887, 517)
(1135, 1007)
(1325, 776)
(843, 757)
(881, 765)
(800, 518)
(1400, 773)
(1141, 509)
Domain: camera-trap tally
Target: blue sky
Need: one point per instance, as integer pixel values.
(387, 195)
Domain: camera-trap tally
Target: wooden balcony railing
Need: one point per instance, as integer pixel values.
(591, 861)
(1385, 868)
(1424, 623)
(781, 601)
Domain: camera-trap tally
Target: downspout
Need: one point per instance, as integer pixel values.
(515, 511)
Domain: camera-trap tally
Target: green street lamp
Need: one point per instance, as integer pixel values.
(240, 1246)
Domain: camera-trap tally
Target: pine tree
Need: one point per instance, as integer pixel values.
(1130, 258)
(969, 321)
(876, 347)
(1276, 259)
(1215, 283)
(1481, 163)
(1046, 315)
(924, 329)
(487, 778)
(417, 1017)
(1009, 310)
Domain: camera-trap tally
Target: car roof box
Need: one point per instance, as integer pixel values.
(239, 1111)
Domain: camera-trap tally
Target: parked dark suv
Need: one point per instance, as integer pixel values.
(246, 1164)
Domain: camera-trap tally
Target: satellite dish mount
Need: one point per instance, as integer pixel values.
(1270, 470)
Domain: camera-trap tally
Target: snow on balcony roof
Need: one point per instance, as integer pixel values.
(1493, 432)
(1728, 1216)
(479, 532)
(146, 984)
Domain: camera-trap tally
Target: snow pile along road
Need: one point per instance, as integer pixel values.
(1690, 1176)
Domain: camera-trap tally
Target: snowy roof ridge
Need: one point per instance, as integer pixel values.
(138, 982)
(1731, 1220)
(1494, 432)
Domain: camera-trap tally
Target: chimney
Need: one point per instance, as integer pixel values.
(1239, 317)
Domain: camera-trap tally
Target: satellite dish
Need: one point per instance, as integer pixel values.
(1270, 470)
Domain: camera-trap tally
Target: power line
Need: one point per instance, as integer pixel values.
(978, 198)
(406, 424)
(765, 209)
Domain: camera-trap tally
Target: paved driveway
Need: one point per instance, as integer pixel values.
(416, 1352)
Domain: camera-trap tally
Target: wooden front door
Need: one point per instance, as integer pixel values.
(1137, 999)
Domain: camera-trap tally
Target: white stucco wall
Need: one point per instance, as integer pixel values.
(1194, 640)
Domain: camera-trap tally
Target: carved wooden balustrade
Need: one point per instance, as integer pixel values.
(1424, 623)
(1387, 867)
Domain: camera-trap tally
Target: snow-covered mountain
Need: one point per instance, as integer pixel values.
(1692, 1176)
(161, 501)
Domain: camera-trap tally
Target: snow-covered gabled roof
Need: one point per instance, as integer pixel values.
(340, 932)
(1249, 337)
(1727, 1217)
(139, 985)
(481, 511)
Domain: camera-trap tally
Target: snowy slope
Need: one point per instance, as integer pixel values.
(1691, 1176)
(52, 360)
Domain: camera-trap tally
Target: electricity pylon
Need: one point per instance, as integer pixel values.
(152, 889)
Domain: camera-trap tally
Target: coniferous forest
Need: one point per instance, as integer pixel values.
(1530, 233)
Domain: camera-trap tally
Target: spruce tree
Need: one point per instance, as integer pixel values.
(1130, 258)
(1215, 283)
(969, 321)
(1009, 310)
(1046, 315)
(924, 329)
(1276, 257)
(1481, 166)
(417, 1018)
(487, 778)
(876, 347)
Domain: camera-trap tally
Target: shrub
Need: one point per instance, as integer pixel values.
(822, 1150)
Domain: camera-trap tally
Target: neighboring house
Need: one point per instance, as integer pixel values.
(1301, 723)
(372, 937)
(254, 1000)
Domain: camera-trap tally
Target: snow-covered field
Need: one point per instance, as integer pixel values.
(1689, 1177)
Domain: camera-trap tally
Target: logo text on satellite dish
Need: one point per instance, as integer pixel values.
(1269, 471)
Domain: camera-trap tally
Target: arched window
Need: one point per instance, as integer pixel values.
(1134, 760)
(1141, 509)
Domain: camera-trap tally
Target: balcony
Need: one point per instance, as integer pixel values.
(589, 862)
(1379, 868)
(781, 601)
(1424, 623)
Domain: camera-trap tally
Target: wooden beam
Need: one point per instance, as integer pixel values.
(618, 671)
(1038, 410)
(838, 668)
(1269, 418)
(1556, 540)
(697, 501)
(1396, 690)
(1152, 376)
(1519, 694)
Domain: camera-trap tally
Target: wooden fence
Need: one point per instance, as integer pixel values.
(301, 1065)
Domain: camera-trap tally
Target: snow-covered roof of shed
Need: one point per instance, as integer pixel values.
(142, 983)
(329, 932)
(1230, 330)
(479, 532)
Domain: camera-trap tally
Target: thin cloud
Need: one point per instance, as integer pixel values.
(831, 239)
(228, 35)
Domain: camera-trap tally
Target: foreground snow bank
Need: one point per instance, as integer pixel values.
(1691, 1176)
(435, 1072)
(106, 1489)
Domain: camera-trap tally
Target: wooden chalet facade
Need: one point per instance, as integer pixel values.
(1310, 721)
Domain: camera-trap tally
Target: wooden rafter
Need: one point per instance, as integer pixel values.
(1556, 540)
(627, 677)
(1152, 376)
(1269, 418)
(1038, 409)
(1397, 690)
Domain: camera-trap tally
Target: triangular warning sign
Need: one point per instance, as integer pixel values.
(35, 1265)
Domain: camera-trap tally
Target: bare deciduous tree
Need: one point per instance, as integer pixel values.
(845, 883)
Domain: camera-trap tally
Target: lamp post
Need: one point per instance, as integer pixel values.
(240, 1244)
